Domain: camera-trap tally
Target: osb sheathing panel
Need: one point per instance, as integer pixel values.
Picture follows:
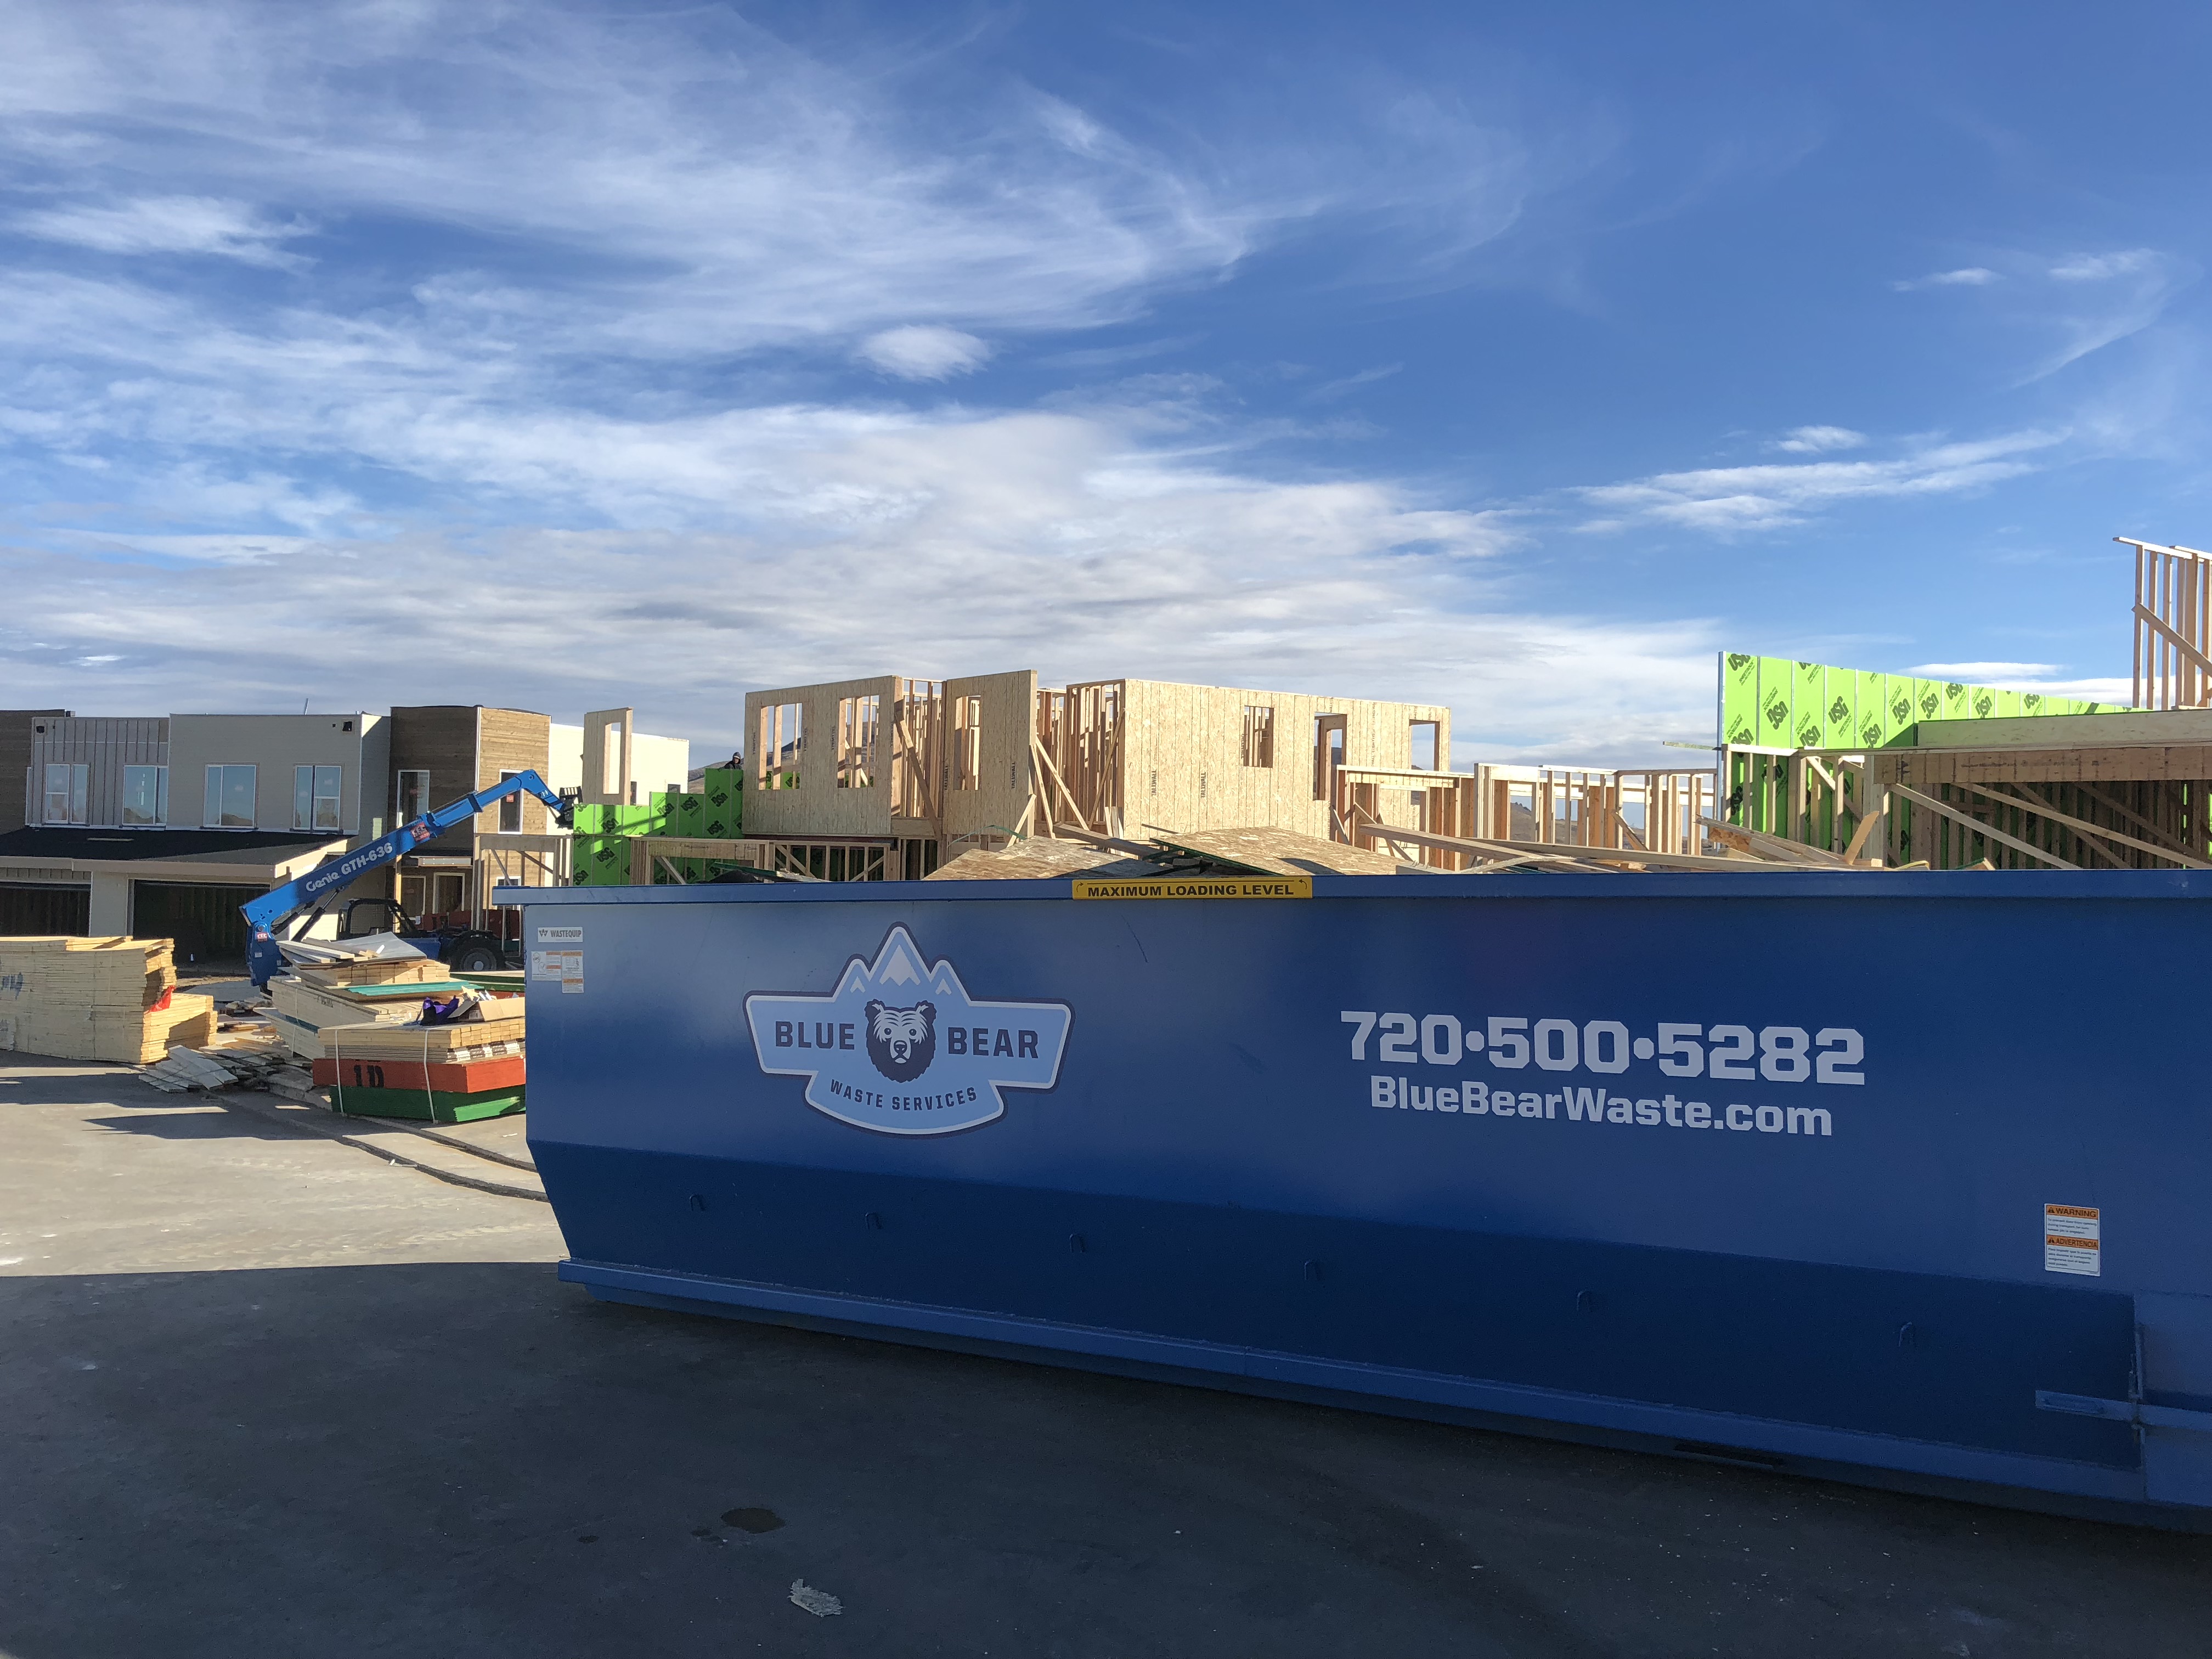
(817, 806)
(1288, 853)
(1185, 767)
(1003, 779)
(1028, 860)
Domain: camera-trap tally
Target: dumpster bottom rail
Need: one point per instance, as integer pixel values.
(2057, 1485)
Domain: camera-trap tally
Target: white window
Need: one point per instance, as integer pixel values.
(412, 799)
(145, 796)
(230, 798)
(67, 787)
(315, 791)
(510, 809)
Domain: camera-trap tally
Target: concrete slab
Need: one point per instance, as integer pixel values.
(264, 1394)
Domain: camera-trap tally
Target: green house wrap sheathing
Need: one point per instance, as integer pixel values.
(723, 789)
(600, 860)
(1775, 704)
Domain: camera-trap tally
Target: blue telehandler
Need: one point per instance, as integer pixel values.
(289, 911)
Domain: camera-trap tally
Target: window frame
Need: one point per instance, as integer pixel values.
(74, 794)
(218, 795)
(399, 813)
(160, 809)
(308, 795)
(510, 806)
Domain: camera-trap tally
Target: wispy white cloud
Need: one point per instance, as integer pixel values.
(949, 544)
(1819, 439)
(1728, 500)
(1335, 389)
(169, 224)
(2102, 267)
(2044, 677)
(1966, 276)
(924, 352)
(1983, 673)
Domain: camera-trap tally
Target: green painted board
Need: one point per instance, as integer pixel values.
(426, 1105)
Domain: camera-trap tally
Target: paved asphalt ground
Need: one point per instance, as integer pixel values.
(261, 1393)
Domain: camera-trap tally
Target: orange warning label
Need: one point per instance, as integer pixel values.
(2073, 1238)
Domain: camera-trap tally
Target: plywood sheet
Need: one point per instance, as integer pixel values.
(1028, 860)
(1287, 853)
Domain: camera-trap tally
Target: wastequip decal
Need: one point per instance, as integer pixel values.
(901, 1047)
(1495, 1068)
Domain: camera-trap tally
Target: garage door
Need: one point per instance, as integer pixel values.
(31, 907)
(202, 918)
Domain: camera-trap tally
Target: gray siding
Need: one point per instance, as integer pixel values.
(104, 747)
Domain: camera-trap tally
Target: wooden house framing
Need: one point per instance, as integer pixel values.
(918, 770)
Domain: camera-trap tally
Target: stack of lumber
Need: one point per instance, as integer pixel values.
(375, 990)
(454, 1073)
(453, 1089)
(97, 998)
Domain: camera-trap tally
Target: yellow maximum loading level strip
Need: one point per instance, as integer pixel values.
(1199, 887)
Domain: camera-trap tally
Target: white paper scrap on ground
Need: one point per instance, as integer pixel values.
(816, 1601)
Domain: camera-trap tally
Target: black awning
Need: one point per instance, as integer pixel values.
(56, 842)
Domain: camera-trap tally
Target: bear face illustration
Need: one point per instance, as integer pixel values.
(901, 1041)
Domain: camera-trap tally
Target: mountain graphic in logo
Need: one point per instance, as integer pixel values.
(900, 1046)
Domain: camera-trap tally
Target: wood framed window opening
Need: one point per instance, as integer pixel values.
(967, 743)
(858, 722)
(1425, 743)
(778, 750)
(1329, 753)
(1259, 735)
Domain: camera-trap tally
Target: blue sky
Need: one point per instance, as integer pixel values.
(1517, 359)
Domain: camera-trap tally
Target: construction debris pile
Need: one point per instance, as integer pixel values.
(398, 1037)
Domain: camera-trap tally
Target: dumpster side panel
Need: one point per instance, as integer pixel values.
(1259, 1135)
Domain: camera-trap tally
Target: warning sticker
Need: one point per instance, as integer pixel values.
(1197, 887)
(2070, 1239)
(565, 966)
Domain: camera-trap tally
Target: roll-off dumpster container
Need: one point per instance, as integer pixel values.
(1902, 1177)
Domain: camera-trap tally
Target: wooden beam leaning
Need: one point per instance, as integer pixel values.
(1777, 848)
(1871, 814)
(1044, 758)
(1988, 832)
(1549, 851)
(2182, 648)
(2080, 827)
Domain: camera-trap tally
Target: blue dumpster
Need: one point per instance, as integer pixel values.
(1904, 1178)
